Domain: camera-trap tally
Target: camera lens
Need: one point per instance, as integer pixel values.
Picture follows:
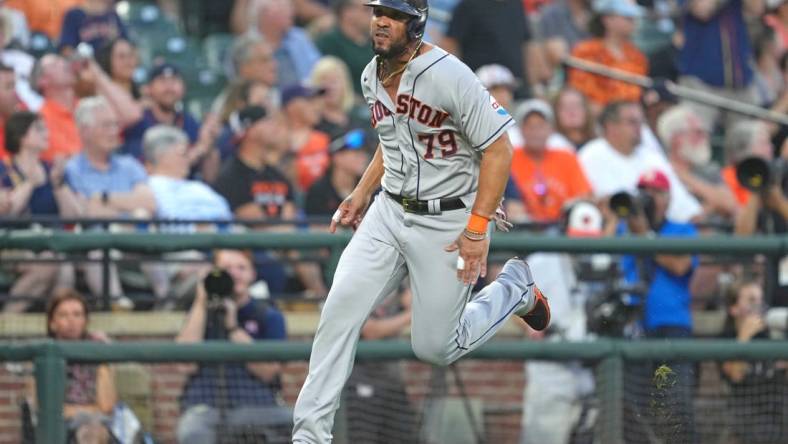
(218, 283)
(622, 204)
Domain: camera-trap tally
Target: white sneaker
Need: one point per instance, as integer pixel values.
(122, 304)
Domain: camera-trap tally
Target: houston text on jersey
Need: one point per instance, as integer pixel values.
(412, 107)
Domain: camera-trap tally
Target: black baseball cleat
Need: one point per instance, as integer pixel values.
(539, 316)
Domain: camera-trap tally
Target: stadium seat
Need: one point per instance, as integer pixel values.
(143, 15)
(183, 52)
(216, 48)
(203, 86)
(649, 38)
(148, 27)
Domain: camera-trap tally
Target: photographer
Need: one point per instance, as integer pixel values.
(231, 397)
(666, 308)
(763, 421)
(667, 302)
(762, 193)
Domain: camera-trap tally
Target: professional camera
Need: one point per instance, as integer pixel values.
(625, 205)
(613, 306)
(615, 310)
(757, 174)
(219, 286)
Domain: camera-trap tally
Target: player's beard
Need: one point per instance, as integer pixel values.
(394, 51)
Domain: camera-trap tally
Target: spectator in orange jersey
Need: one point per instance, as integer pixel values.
(542, 179)
(44, 15)
(612, 27)
(303, 107)
(54, 78)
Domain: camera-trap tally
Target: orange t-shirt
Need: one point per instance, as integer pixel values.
(729, 176)
(545, 186)
(600, 89)
(63, 134)
(312, 159)
(44, 15)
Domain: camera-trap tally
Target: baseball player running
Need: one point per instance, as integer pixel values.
(443, 162)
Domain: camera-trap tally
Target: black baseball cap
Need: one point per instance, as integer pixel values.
(292, 92)
(243, 119)
(352, 140)
(164, 70)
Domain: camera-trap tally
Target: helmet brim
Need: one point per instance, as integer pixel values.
(400, 6)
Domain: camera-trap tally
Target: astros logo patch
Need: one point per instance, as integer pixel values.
(497, 107)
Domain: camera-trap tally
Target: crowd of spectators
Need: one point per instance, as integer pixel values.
(92, 128)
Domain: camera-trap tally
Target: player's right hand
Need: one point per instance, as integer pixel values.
(350, 211)
(474, 258)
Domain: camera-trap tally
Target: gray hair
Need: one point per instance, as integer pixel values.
(159, 139)
(86, 110)
(39, 70)
(241, 51)
(254, 10)
(738, 139)
(671, 122)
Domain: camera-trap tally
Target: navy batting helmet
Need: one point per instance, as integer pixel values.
(417, 9)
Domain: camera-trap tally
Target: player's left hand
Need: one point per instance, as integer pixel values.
(501, 220)
(474, 258)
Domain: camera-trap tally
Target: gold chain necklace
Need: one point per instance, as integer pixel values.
(399, 71)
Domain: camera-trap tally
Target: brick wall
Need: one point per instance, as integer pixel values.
(498, 384)
(12, 388)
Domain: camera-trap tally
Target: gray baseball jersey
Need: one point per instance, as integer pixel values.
(433, 133)
(432, 137)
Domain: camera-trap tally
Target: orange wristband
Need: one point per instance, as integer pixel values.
(477, 224)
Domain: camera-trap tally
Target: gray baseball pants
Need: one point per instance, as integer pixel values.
(388, 245)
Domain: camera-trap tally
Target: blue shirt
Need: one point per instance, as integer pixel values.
(96, 30)
(717, 61)
(132, 136)
(295, 57)
(42, 200)
(123, 174)
(668, 298)
(439, 18)
(260, 321)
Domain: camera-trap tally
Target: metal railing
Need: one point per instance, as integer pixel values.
(50, 360)
(773, 247)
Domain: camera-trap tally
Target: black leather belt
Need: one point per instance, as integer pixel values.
(427, 206)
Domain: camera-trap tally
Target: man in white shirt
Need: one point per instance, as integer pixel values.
(166, 154)
(177, 197)
(614, 162)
